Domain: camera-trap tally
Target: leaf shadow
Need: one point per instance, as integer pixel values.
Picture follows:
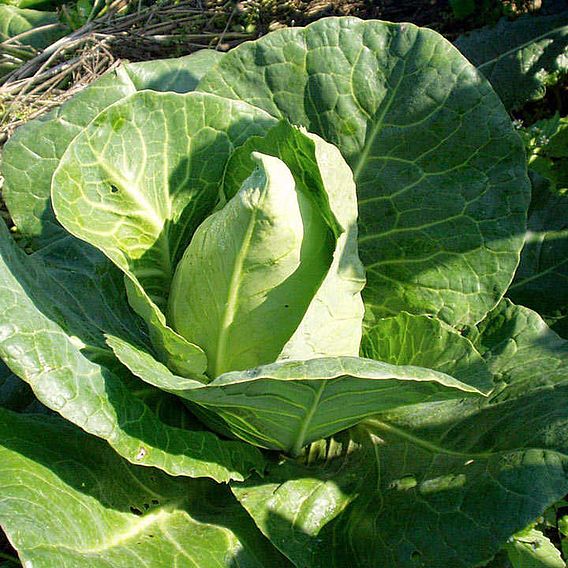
(396, 504)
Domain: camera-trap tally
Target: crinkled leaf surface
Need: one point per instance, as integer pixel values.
(520, 58)
(251, 271)
(15, 21)
(52, 337)
(528, 409)
(541, 281)
(443, 484)
(426, 342)
(289, 404)
(390, 503)
(331, 325)
(439, 170)
(138, 181)
(521, 349)
(69, 500)
(32, 154)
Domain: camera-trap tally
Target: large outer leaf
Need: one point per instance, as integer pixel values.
(68, 500)
(137, 182)
(51, 335)
(32, 154)
(390, 503)
(520, 58)
(439, 171)
(251, 271)
(289, 404)
(442, 484)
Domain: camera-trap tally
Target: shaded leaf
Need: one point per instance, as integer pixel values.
(439, 484)
(541, 281)
(377, 499)
(178, 75)
(40, 28)
(15, 394)
(520, 58)
(521, 349)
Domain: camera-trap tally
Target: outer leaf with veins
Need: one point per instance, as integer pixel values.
(390, 502)
(288, 404)
(60, 351)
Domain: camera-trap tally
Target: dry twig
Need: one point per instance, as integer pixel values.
(126, 31)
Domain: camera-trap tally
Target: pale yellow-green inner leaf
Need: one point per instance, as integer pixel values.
(251, 270)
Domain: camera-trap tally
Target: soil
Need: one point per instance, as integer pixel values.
(421, 12)
(435, 14)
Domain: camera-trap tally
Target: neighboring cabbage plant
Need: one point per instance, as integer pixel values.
(275, 278)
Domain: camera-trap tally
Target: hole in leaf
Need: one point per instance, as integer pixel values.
(155, 502)
(113, 188)
(135, 511)
(415, 556)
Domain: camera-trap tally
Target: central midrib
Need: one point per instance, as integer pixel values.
(377, 127)
(519, 47)
(234, 287)
(121, 538)
(305, 424)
